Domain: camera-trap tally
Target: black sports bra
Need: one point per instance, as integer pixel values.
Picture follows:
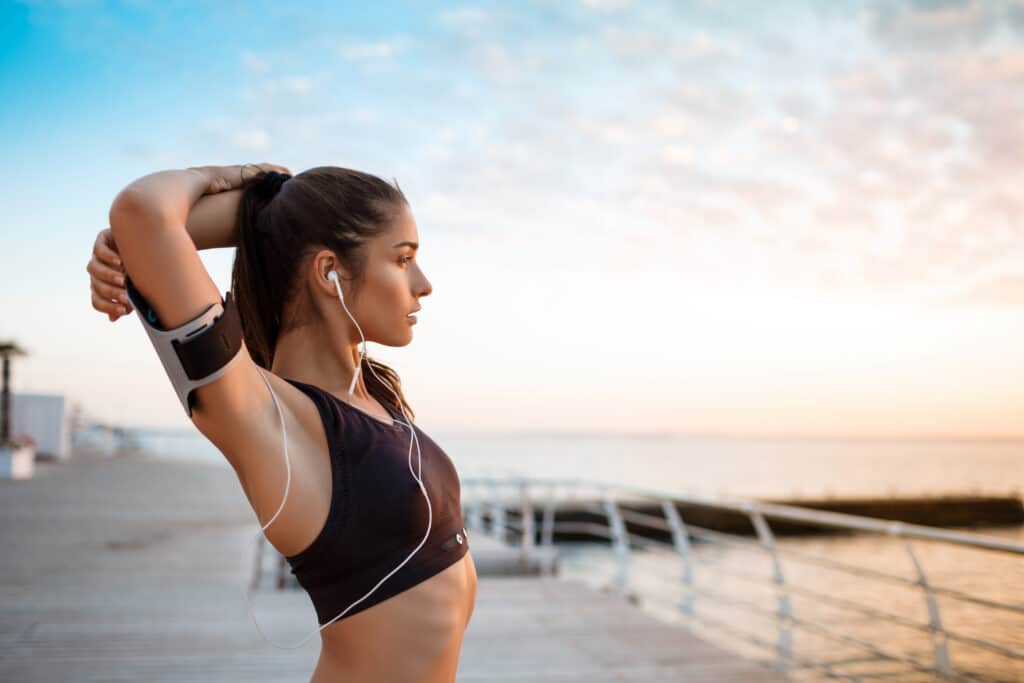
(377, 514)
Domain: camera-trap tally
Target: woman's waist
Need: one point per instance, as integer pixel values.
(427, 617)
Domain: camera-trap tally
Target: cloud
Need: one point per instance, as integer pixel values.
(606, 5)
(650, 45)
(998, 287)
(1005, 292)
(255, 63)
(282, 90)
(466, 18)
(935, 25)
(293, 85)
(361, 51)
(873, 165)
(254, 139)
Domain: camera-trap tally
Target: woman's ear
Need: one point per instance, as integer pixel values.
(324, 263)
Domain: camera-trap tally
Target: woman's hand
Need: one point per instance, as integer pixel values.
(224, 178)
(106, 276)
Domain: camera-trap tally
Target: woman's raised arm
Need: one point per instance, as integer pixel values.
(208, 196)
(148, 221)
(212, 224)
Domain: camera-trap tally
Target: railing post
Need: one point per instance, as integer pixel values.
(526, 518)
(681, 542)
(547, 529)
(282, 573)
(498, 529)
(475, 512)
(257, 569)
(784, 645)
(547, 533)
(620, 540)
(940, 647)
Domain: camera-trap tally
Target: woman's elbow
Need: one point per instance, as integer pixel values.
(126, 211)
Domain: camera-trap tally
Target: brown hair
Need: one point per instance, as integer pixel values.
(283, 224)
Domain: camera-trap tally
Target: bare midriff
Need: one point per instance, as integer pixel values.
(415, 635)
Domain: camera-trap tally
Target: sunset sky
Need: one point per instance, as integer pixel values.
(799, 218)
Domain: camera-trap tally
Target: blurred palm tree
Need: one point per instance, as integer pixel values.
(7, 349)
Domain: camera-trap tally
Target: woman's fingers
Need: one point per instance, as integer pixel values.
(107, 279)
(113, 309)
(116, 296)
(110, 292)
(251, 170)
(279, 169)
(103, 274)
(105, 249)
(265, 166)
(224, 178)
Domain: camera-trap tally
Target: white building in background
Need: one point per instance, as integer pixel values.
(45, 418)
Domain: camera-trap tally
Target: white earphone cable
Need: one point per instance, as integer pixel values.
(333, 276)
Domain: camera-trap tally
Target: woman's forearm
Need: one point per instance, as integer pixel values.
(179, 196)
(212, 223)
(169, 194)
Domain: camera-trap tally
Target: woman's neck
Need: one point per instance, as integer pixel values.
(314, 360)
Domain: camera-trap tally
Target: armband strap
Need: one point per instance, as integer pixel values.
(197, 352)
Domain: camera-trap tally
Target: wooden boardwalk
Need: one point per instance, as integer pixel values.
(130, 569)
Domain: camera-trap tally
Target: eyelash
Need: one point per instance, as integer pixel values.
(405, 259)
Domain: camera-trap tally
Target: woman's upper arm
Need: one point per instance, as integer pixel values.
(162, 262)
(164, 266)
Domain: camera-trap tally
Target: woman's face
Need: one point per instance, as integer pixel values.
(392, 285)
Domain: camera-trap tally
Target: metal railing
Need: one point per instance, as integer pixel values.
(500, 498)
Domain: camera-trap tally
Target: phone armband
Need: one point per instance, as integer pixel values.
(197, 352)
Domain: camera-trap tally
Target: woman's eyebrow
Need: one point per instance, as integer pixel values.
(414, 245)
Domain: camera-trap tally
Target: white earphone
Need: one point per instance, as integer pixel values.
(417, 475)
(333, 277)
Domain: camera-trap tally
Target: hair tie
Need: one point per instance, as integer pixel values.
(270, 184)
(266, 188)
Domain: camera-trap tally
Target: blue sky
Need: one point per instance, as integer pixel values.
(781, 218)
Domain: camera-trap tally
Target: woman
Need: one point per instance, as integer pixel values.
(354, 511)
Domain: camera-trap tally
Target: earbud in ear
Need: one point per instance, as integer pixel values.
(333, 277)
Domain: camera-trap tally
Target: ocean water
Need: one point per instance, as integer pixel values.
(716, 466)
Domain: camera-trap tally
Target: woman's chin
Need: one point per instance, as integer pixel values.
(405, 339)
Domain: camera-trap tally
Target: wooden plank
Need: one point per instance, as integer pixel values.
(130, 569)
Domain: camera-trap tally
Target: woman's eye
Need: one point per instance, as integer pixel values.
(405, 259)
